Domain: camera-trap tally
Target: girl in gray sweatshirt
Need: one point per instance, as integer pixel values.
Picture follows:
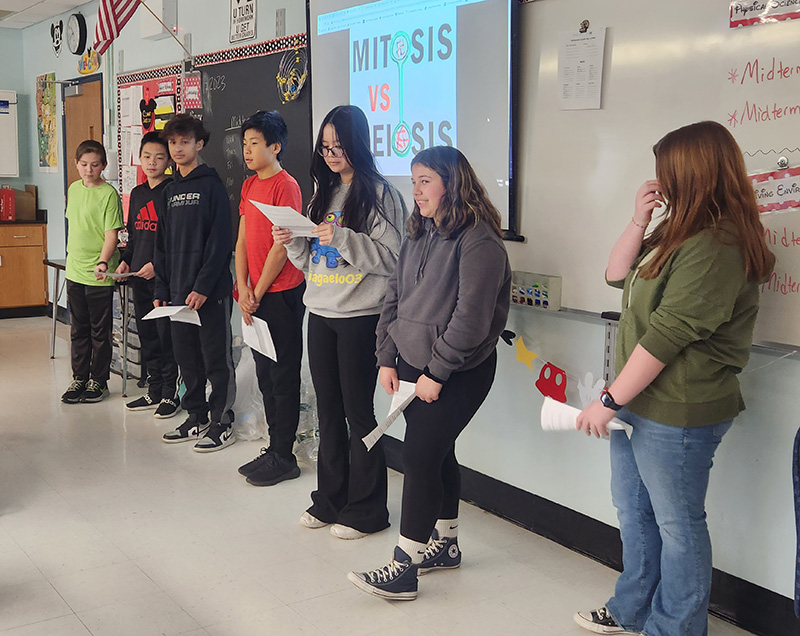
(446, 305)
(359, 219)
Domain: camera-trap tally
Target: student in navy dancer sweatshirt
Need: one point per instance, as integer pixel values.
(192, 263)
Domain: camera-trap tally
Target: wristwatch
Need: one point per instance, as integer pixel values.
(607, 400)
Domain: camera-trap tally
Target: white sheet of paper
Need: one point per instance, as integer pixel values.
(115, 276)
(557, 416)
(178, 313)
(257, 336)
(580, 69)
(288, 219)
(400, 400)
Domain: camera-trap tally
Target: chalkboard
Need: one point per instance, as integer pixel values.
(676, 63)
(231, 91)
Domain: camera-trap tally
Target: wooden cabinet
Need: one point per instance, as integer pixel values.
(23, 275)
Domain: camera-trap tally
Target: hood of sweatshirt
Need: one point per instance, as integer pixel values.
(199, 172)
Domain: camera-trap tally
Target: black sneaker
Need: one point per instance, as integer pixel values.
(274, 469)
(74, 392)
(250, 467)
(441, 554)
(95, 391)
(189, 431)
(143, 403)
(599, 621)
(396, 581)
(217, 437)
(167, 408)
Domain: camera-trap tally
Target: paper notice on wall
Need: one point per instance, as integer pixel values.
(128, 179)
(136, 144)
(748, 12)
(125, 138)
(580, 69)
(777, 191)
(126, 107)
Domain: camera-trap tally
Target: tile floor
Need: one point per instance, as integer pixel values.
(104, 530)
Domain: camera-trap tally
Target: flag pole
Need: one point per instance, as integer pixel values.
(169, 29)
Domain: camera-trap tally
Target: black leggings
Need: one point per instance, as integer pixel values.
(351, 481)
(432, 476)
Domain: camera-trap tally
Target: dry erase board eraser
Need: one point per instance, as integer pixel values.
(536, 291)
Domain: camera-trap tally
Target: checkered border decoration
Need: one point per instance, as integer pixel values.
(149, 74)
(252, 50)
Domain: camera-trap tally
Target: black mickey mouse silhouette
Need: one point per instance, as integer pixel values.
(57, 35)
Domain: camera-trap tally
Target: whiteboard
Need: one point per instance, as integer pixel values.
(667, 64)
(9, 147)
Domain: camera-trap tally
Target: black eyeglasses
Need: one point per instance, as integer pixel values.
(331, 151)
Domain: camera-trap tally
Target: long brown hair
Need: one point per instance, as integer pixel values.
(702, 176)
(465, 200)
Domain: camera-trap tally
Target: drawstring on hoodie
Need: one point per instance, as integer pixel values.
(425, 252)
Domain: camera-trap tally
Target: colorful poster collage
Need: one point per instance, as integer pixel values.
(47, 132)
(145, 105)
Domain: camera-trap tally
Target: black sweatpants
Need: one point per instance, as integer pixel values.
(280, 381)
(204, 355)
(91, 319)
(351, 482)
(158, 361)
(431, 474)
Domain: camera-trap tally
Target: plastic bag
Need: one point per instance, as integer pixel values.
(250, 421)
(307, 446)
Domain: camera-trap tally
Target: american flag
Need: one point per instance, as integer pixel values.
(111, 17)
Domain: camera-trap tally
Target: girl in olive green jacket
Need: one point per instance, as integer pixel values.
(690, 300)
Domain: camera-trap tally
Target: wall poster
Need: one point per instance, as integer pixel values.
(46, 130)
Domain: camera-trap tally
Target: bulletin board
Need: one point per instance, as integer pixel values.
(235, 83)
(146, 100)
(677, 63)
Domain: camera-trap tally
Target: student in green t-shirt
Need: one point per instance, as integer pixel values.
(94, 218)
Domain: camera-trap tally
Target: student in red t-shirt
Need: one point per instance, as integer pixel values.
(271, 288)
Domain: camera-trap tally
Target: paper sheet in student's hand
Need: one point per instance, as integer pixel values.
(287, 218)
(258, 337)
(178, 313)
(115, 276)
(557, 416)
(400, 400)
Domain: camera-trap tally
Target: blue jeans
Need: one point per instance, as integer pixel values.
(659, 479)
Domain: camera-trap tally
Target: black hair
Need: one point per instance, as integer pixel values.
(185, 125)
(352, 131)
(90, 145)
(154, 137)
(271, 126)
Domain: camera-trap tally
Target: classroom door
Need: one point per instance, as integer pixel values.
(83, 119)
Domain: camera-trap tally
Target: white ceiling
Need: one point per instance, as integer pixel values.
(23, 13)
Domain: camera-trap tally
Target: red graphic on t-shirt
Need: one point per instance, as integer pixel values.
(552, 383)
(147, 219)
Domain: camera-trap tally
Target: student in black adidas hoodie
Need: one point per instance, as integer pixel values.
(146, 205)
(192, 264)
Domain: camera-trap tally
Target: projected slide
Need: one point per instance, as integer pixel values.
(426, 73)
